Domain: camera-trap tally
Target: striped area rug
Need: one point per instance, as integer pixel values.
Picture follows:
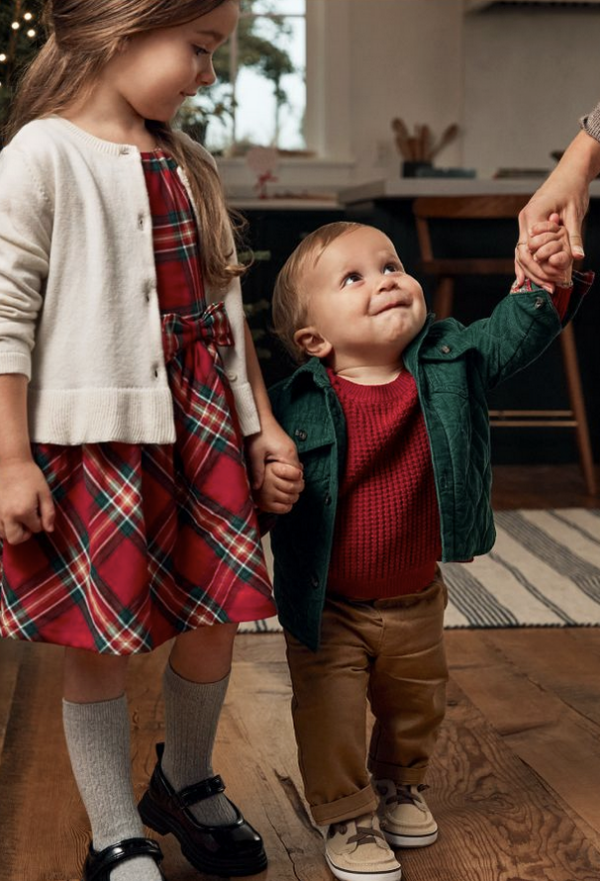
(544, 571)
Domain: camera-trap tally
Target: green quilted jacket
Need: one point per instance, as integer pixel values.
(454, 367)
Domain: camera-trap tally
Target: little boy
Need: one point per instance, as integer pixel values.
(390, 419)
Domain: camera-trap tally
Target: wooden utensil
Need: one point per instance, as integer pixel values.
(448, 136)
(402, 137)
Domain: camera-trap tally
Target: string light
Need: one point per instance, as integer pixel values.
(7, 57)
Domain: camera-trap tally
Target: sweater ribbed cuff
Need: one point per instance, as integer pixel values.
(591, 123)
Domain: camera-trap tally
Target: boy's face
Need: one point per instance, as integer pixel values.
(362, 306)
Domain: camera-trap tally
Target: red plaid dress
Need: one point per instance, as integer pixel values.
(150, 540)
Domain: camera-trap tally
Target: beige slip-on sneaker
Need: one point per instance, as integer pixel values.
(356, 850)
(406, 820)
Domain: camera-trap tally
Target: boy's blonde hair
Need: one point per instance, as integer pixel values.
(83, 35)
(290, 296)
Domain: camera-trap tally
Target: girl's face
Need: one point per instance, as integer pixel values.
(158, 69)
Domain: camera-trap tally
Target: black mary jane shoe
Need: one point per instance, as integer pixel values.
(99, 865)
(232, 850)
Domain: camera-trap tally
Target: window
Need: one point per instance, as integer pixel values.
(260, 98)
(327, 121)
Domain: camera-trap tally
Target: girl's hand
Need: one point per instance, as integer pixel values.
(280, 488)
(26, 504)
(271, 443)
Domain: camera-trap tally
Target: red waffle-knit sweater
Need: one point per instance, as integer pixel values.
(387, 533)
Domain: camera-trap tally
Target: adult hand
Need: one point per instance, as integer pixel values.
(565, 193)
(564, 200)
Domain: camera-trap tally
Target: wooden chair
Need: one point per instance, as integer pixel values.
(446, 270)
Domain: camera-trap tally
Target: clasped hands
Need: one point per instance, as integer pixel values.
(545, 254)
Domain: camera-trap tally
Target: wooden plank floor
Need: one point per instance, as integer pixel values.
(515, 784)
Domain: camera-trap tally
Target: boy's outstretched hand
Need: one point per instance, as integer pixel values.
(549, 248)
(280, 488)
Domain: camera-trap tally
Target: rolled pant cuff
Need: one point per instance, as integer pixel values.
(346, 808)
(403, 776)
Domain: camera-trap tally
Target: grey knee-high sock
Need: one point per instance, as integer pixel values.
(192, 711)
(97, 737)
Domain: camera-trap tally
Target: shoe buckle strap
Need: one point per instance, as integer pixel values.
(123, 850)
(191, 795)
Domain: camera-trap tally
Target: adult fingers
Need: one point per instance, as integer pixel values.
(572, 220)
(576, 245)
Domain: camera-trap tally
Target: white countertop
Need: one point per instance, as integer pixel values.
(276, 203)
(409, 188)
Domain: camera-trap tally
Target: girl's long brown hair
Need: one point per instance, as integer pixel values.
(83, 35)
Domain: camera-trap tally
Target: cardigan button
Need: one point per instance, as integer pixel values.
(328, 499)
(445, 350)
(539, 302)
(301, 434)
(314, 580)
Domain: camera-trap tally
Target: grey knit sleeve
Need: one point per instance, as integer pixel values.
(591, 123)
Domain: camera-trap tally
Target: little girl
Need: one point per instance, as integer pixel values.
(127, 382)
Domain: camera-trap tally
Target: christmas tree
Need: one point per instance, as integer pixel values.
(21, 35)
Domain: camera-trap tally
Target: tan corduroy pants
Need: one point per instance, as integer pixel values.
(387, 652)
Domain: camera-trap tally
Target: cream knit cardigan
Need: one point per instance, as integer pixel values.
(79, 313)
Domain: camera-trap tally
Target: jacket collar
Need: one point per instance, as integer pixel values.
(411, 352)
(314, 370)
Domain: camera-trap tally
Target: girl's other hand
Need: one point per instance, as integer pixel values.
(26, 504)
(280, 488)
(271, 443)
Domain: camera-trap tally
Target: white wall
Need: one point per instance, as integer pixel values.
(406, 61)
(516, 79)
(529, 75)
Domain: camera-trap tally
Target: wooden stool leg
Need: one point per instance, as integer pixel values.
(443, 298)
(569, 353)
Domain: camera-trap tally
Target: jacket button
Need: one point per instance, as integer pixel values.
(314, 580)
(445, 350)
(300, 434)
(539, 302)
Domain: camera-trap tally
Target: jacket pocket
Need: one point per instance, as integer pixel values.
(315, 452)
